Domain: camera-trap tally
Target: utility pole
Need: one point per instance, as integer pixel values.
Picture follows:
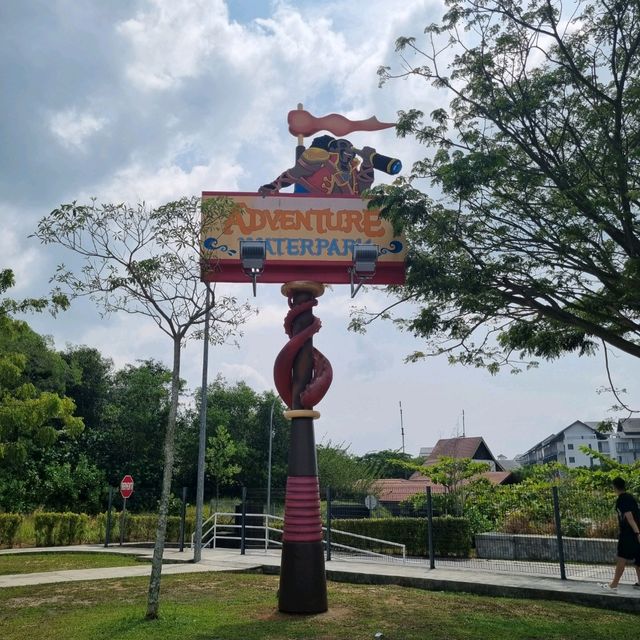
(401, 425)
(202, 435)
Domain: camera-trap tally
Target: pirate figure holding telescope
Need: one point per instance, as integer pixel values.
(329, 165)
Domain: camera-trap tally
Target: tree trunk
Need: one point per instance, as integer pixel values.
(153, 598)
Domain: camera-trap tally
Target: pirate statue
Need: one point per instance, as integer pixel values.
(328, 166)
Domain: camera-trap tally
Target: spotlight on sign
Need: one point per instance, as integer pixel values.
(365, 257)
(253, 254)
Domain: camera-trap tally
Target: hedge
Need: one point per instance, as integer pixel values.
(59, 528)
(9, 525)
(452, 536)
(142, 528)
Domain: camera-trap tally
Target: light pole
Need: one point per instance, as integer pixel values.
(202, 435)
(270, 449)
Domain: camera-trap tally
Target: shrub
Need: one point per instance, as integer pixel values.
(451, 534)
(9, 525)
(53, 529)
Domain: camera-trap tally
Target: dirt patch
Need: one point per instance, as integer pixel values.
(23, 602)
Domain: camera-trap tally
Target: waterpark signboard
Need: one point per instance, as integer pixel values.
(307, 237)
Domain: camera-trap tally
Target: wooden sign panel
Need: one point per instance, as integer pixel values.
(308, 237)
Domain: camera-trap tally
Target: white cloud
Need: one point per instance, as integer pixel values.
(243, 372)
(171, 41)
(14, 255)
(72, 128)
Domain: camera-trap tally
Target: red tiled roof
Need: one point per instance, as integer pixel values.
(397, 489)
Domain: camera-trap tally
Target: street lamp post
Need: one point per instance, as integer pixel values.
(202, 436)
(270, 449)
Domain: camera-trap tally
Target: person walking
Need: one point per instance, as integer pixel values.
(629, 535)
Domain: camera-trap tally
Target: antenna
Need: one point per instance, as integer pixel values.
(464, 435)
(401, 425)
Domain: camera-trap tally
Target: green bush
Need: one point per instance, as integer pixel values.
(142, 527)
(452, 535)
(9, 525)
(53, 529)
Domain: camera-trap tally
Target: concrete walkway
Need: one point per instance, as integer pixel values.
(342, 570)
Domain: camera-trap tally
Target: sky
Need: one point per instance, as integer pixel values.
(151, 100)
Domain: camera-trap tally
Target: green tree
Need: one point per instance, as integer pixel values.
(389, 463)
(149, 262)
(136, 410)
(32, 417)
(529, 246)
(246, 414)
(222, 459)
(455, 474)
(342, 471)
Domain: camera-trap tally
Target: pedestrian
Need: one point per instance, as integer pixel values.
(629, 535)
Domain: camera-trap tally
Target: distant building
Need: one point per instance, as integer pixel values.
(623, 445)
(475, 448)
(508, 464)
(392, 491)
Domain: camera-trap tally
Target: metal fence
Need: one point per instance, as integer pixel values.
(560, 532)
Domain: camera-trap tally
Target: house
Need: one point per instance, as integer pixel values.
(392, 491)
(475, 448)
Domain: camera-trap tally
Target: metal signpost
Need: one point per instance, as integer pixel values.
(126, 491)
(323, 233)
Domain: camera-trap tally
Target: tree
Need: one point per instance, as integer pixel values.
(456, 475)
(146, 261)
(246, 414)
(531, 247)
(136, 409)
(388, 463)
(27, 414)
(33, 415)
(221, 458)
(342, 471)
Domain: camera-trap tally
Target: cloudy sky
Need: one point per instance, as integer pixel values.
(132, 100)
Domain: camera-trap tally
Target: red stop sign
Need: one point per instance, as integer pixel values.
(126, 486)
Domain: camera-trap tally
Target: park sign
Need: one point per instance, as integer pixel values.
(126, 487)
(307, 237)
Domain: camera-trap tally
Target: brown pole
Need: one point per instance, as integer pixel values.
(303, 586)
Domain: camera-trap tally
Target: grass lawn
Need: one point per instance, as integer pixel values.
(36, 562)
(227, 606)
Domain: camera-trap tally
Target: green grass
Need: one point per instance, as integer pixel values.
(36, 562)
(231, 606)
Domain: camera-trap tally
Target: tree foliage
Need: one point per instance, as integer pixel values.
(147, 261)
(31, 415)
(528, 245)
(344, 472)
(222, 457)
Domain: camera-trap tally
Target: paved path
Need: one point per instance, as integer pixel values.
(342, 570)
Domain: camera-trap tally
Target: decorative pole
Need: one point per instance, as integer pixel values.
(302, 376)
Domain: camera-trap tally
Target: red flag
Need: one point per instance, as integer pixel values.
(302, 123)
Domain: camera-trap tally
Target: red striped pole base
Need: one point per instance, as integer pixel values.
(303, 585)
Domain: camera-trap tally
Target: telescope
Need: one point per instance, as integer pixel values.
(392, 166)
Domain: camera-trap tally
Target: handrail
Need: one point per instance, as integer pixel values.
(266, 517)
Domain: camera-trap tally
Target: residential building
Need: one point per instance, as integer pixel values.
(623, 445)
